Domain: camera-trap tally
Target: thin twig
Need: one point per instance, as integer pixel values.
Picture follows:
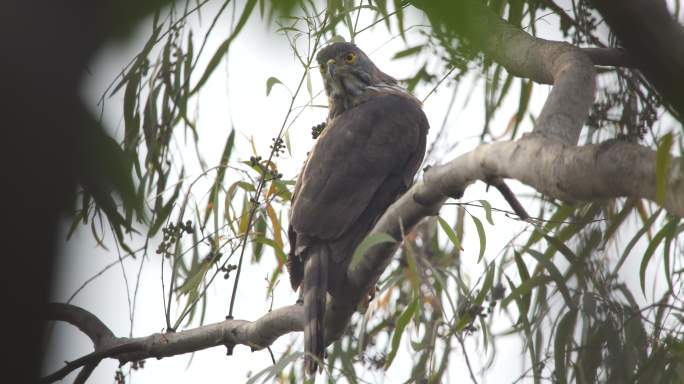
(467, 360)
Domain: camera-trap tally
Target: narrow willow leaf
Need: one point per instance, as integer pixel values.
(560, 215)
(649, 252)
(481, 234)
(617, 220)
(274, 370)
(523, 103)
(635, 239)
(131, 124)
(244, 216)
(450, 233)
(399, 17)
(487, 285)
(669, 236)
(504, 91)
(524, 289)
(223, 48)
(564, 333)
(560, 246)
(275, 225)
(524, 321)
(408, 52)
(288, 145)
(367, 243)
(270, 82)
(259, 229)
(488, 210)
(142, 56)
(555, 274)
(213, 204)
(309, 87)
(279, 252)
(524, 276)
(165, 211)
(402, 321)
(663, 158)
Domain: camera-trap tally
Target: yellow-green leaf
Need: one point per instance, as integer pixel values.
(270, 83)
(663, 158)
(402, 321)
(368, 242)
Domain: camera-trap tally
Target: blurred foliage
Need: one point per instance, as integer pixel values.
(556, 285)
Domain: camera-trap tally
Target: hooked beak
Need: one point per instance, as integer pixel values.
(332, 68)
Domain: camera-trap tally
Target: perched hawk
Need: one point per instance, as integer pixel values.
(366, 157)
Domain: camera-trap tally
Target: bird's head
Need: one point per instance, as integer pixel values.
(347, 71)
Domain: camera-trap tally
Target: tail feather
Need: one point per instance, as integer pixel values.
(314, 287)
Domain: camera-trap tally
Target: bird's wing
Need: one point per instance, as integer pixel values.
(357, 152)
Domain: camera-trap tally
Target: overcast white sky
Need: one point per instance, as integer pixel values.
(235, 96)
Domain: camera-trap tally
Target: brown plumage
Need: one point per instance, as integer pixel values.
(366, 157)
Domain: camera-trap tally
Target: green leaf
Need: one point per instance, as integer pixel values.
(165, 211)
(481, 234)
(131, 123)
(617, 220)
(275, 369)
(635, 239)
(309, 87)
(367, 243)
(524, 276)
(212, 204)
(523, 103)
(450, 233)
(650, 250)
(488, 210)
(402, 321)
(487, 285)
(560, 215)
(524, 289)
(280, 254)
(408, 52)
(524, 321)
(223, 48)
(195, 277)
(259, 229)
(560, 246)
(564, 333)
(663, 158)
(270, 82)
(669, 236)
(555, 274)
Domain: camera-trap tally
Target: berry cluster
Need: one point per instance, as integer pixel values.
(278, 146)
(227, 269)
(255, 161)
(316, 130)
(173, 233)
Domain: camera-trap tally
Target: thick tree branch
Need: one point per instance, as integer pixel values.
(85, 321)
(256, 334)
(549, 62)
(609, 57)
(654, 39)
(590, 172)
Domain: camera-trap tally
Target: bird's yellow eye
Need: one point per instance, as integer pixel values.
(350, 58)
